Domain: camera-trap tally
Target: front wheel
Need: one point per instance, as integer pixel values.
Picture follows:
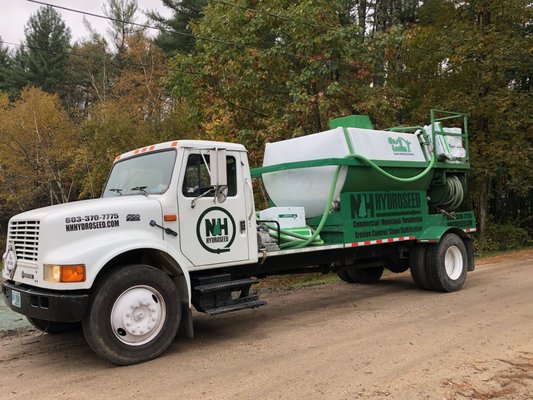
(446, 264)
(133, 316)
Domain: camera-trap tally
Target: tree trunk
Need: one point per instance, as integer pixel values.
(483, 207)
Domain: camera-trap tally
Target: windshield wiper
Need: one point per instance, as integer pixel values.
(141, 189)
(119, 191)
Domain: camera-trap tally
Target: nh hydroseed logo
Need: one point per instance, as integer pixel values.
(400, 145)
(215, 230)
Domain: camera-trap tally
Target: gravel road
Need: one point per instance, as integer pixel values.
(334, 341)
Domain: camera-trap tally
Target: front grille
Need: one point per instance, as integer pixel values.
(25, 236)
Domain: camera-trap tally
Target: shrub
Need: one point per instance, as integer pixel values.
(504, 237)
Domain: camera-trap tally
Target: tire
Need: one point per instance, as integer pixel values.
(397, 265)
(133, 316)
(365, 275)
(447, 264)
(343, 274)
(417, 261)
(54, 328)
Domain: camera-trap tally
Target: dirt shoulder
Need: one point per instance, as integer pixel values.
(333, 341)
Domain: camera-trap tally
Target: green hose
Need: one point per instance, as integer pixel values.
(381, 170)
(324, 215)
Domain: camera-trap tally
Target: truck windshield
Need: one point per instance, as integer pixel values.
(146, 174)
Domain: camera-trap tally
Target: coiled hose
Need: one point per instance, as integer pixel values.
(455, 194)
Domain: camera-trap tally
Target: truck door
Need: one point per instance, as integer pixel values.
(212, 230)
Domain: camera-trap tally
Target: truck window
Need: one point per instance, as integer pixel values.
(148, 173)
(197, 180)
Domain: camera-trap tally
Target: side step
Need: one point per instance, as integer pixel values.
(218, 294)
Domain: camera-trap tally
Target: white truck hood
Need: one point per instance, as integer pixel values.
(88, 232)
(84, 207)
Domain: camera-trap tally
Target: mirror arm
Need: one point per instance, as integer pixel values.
(193, 201)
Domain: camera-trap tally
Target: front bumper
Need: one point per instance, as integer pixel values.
(46, 305)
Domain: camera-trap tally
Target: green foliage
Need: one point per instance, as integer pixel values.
(185, 13)
(504, 237)
(5, 68)
(41, 60)
(120, 12)
(472, 56)
(267, 78)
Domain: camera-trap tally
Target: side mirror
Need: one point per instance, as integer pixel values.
(219, 176)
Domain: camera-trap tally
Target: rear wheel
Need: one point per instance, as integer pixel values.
(397, 264)
(447, 264)
(367, 275)
(54, 327)
(343, 274)
(361, 275)
(133, 316)
(417, 261)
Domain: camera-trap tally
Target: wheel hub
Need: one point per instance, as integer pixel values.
(453, 262)
(138, 315)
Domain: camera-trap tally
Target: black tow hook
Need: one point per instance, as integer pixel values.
(167, 230)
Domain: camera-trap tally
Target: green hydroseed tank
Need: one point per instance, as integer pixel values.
(360, 185)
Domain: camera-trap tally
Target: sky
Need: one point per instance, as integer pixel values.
(15, 13)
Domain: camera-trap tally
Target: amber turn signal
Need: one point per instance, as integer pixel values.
(64, 273)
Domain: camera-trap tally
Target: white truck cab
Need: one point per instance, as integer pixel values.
(167, 209)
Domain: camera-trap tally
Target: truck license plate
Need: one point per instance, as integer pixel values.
(15, 298)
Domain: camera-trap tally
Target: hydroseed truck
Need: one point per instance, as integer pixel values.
(176, 227)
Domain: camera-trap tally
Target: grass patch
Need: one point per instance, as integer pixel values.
(283, 282)
(494, 253)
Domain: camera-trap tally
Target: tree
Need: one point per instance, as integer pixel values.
(120, 13)
(263, 77)
(37, 144)
(472, 57)
(136, 112)
(89, 76)
(5, 68)
(41, 59)
(175, 37)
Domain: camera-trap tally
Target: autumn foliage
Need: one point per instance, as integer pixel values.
(257, 71)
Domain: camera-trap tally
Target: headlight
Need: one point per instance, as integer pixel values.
(64, 273)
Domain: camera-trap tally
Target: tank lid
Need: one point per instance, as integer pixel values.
(352, 121)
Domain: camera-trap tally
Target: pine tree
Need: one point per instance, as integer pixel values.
(120, 12)
(5, 68)
(185, 12)
(41, 59)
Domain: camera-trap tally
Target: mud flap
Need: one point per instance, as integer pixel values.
(186, 328)
(470, 253)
